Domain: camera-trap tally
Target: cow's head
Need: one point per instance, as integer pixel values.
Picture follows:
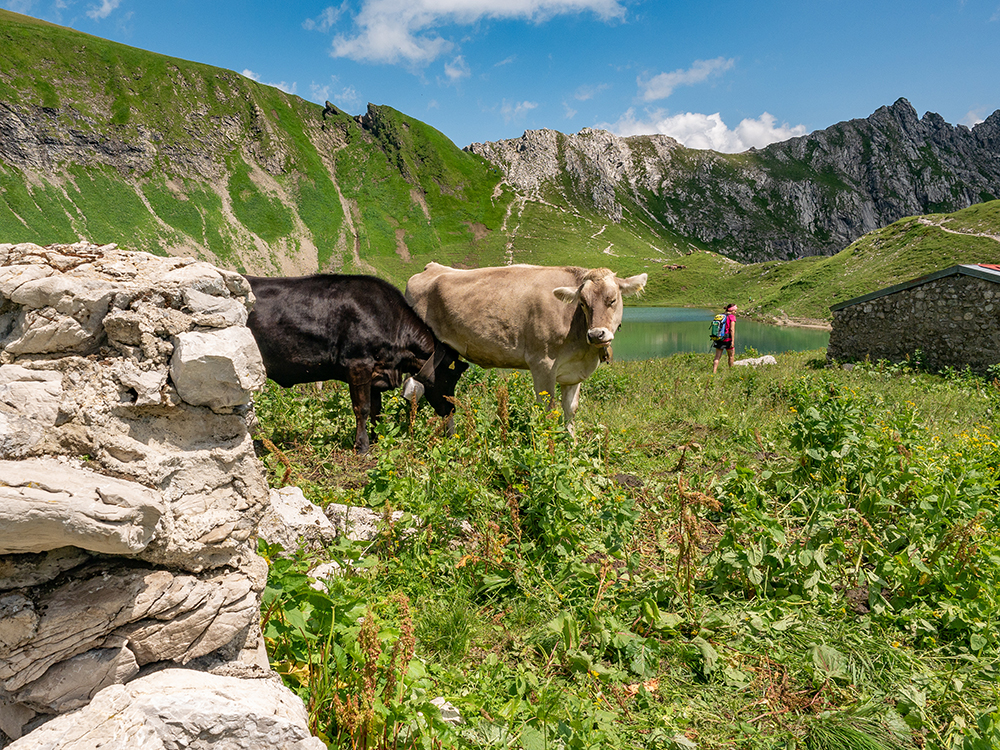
(437, 379)
(600, 296)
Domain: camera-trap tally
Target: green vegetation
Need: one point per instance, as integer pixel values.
(806, 288)
(32, 213)
(786, 557)
(263, 215)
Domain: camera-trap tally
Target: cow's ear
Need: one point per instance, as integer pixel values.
(567, 294)
(632, 285)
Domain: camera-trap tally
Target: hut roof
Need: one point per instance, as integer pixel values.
(987, 271)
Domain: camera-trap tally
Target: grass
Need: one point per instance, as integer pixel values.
(787, 557)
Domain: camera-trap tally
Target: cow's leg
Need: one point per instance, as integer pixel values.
(361, 389)
(570, 400)
(544, 379)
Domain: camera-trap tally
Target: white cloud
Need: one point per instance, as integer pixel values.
(708, 131)
(345, 97)
(105, 9)
(286, 87)
(348, 99)
(569, 111)
(515, 111)
(505, 61)
(318, 93)
(390, 31)
(19, 6)
(974, 117)
(457, 69)
(585, 93)
(325, 20)
(661, 86)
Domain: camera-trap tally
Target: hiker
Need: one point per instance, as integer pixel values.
(723, 335)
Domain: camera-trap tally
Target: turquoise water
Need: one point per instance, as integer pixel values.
(649, 332)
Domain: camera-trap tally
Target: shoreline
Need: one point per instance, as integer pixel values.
(782, 320)
(795, 322)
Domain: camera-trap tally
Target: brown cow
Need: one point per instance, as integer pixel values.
(557, 322)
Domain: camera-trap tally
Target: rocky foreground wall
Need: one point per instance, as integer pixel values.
(129, 500)
(951, 322)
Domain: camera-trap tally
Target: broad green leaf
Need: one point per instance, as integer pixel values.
(709, 656)
(829, 662)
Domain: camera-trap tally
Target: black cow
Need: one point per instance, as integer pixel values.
(356, 329)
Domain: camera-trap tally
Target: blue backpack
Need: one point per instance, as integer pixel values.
(719, 328)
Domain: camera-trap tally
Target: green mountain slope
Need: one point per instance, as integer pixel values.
(114, 144)
(804, 289)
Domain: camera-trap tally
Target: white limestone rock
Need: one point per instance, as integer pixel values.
(449, 714)
(325, 572)
(46, 504)
(214, 311)
(23, 571)
(148, 384)
(163, 617)
(33, 394)
(292, 520)
(180, 708)
(18, 621)
(128, 515)
(218, 369)
(18, 434)
(73, 683)
(359, 524)
(767, 359)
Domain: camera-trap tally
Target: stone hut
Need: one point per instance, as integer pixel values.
(949, 316)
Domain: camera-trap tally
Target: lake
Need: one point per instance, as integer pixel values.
(649, 332)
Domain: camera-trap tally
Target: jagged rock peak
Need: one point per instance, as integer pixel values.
(810, 195)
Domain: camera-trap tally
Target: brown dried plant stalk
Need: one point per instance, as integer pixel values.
(402, 650)
(689, 533)
(503, 410)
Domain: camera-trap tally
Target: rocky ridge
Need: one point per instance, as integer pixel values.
(812, 195)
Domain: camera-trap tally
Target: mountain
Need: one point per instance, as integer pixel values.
(804, 289)
(811, 195)
(114, 144)
(105, 142)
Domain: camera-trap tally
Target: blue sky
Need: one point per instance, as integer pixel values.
(722, 75)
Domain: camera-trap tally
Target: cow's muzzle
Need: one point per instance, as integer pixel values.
(600, 336)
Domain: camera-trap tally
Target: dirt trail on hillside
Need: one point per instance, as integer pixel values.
(927, 222)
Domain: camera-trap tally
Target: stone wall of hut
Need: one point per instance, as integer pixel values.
(951, 322)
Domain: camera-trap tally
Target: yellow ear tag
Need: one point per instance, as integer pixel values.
(451, 366)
